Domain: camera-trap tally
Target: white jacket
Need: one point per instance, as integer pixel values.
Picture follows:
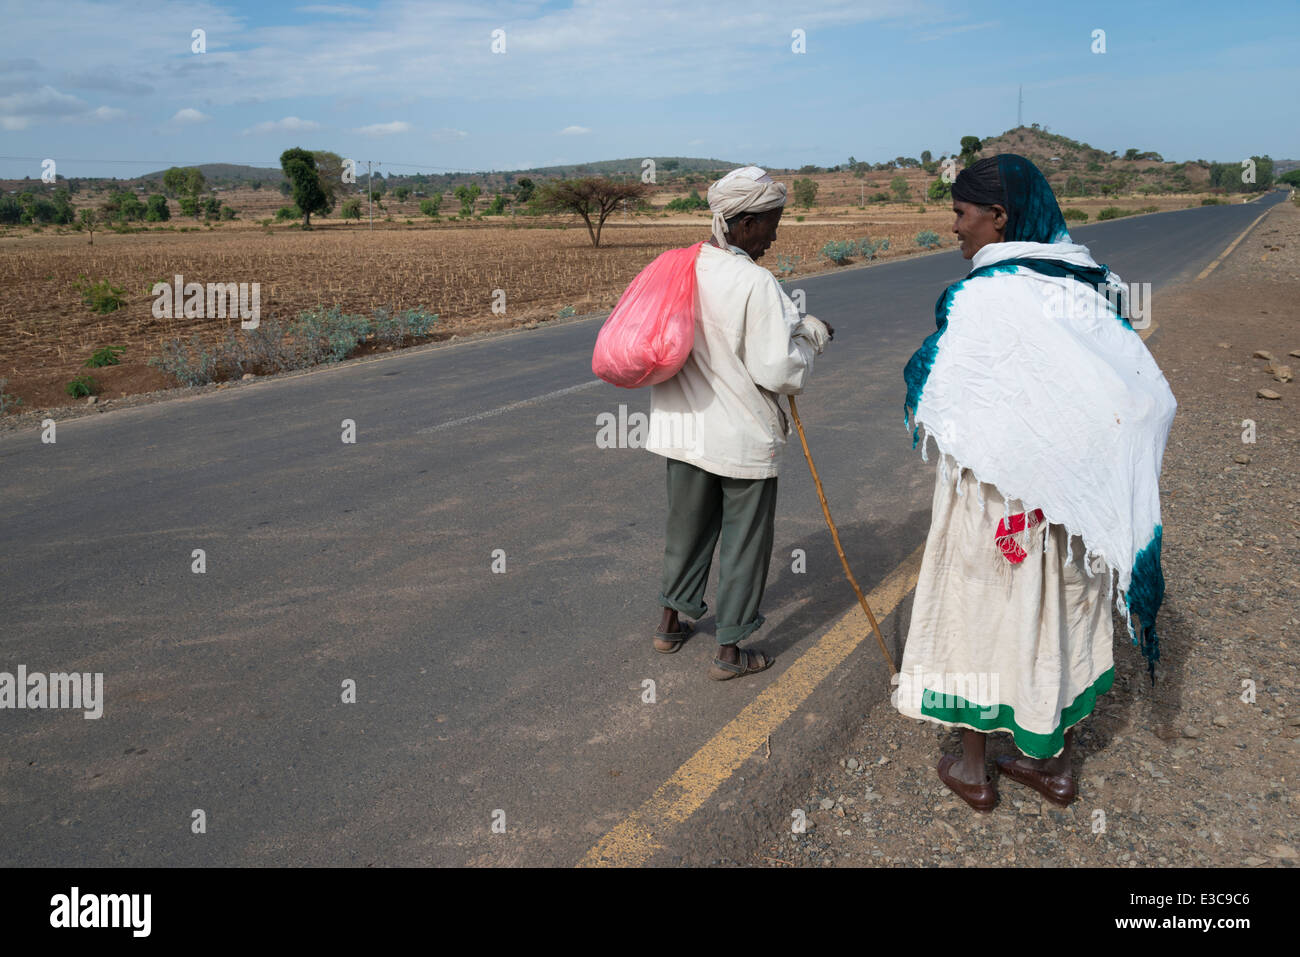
(720, 411)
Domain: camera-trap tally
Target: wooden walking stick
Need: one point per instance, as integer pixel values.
(826, 510)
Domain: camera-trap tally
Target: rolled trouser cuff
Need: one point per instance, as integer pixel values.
(731, 634)
(685, 608)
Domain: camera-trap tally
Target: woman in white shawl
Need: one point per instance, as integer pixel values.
(1050, 418)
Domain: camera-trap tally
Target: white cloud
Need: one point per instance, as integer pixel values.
(18, 111)
(448, 135)
(190, 115)
(384, 129)
(290, 124)
(574, 131)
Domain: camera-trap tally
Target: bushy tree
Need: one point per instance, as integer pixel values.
(11, 211)
(156, 210)
(805, 192)
(431, 206)
(351, 209)
(299, 166)
(899, 185)
(467, 195)
(970, 145)
(524, 189)
(592, 198)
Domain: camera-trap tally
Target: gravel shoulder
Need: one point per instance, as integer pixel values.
(1197, 771)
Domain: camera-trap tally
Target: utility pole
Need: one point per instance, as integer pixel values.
(1020, 109)
(370, 196)
(862, 194)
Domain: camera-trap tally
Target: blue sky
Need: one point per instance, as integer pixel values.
(115, 89)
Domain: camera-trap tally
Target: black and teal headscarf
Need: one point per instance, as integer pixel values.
(1015, 184)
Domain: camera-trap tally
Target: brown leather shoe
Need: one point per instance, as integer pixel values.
(982, 797)
(1058, 790)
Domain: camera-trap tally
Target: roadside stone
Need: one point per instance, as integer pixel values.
(247, 375)
(1191, 731)
(1220, 720)
(1283, 373)
(1267, 394)
(827, 803)
(1263, 354)
(852, 764)
(1241, 458)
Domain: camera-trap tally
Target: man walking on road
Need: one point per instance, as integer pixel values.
(750, 346)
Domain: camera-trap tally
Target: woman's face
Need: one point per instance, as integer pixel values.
(977, 226)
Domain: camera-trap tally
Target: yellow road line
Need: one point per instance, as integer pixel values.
(1224, 255)
(634, 840)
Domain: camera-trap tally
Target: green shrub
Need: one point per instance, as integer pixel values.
(1213, 201)
(81, 386)
(287, 213)
(1114, 212)
(107, 356)
(685, 204)
(191, 366)
(1072, 215)
(868, 248)
(927, 238)
(785, 265)
(7, 399)
(102, 296)
(838, 251)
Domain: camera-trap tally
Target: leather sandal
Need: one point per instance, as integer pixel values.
(1060, 791)
(751, 662)
(982, 797)
(670, 642)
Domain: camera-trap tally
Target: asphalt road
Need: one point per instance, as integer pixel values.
(477, 692)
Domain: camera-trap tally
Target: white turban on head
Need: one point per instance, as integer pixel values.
(745, 190)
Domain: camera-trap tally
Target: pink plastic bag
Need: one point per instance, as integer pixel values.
(648, 336)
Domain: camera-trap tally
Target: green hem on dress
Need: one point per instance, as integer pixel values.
(1004, 719)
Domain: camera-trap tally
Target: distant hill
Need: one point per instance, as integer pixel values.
(1076, 169)
(222, 174)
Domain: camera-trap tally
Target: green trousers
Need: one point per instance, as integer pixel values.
(703, 508)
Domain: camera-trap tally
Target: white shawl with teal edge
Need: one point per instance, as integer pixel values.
(1030, 340)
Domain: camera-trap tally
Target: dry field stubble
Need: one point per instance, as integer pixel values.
(46, 331)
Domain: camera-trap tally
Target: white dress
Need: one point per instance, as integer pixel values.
(1024, 648)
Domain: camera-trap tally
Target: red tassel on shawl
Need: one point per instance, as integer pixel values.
(1006, 540)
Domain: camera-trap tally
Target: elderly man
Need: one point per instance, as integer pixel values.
(718, 424)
